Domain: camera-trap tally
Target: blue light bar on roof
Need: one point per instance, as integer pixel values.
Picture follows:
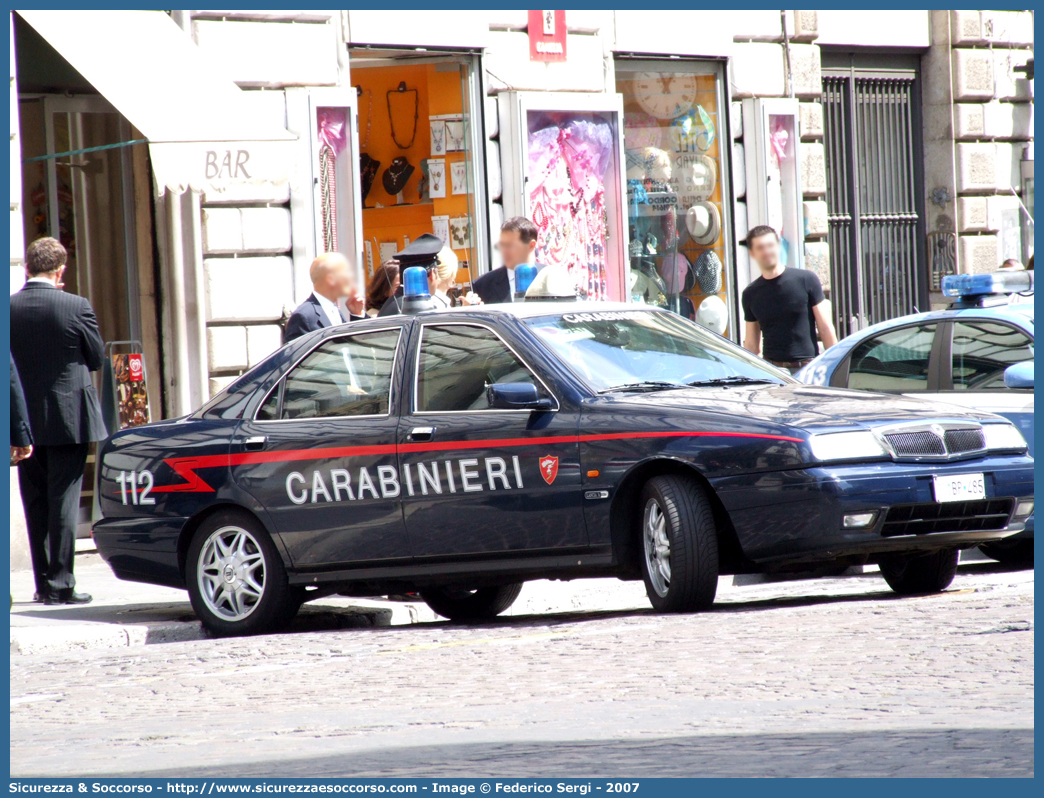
(1007, 282)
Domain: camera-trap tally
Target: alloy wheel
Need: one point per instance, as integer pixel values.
(657, 548)
(231, 573)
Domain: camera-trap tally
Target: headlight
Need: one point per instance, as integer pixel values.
(1003, 436)
(858, 445)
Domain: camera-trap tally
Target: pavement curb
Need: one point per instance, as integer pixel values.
(32, 636)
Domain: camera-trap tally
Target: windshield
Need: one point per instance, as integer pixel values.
(611, 349)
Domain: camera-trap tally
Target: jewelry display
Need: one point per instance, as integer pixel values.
(437, 178)
(438, 137)
(455, 136)
(402, 90)
(440, 227)
(368, 169)
(364, 141)
(332, 142)
(397, 175)
(460, 232)
(459, 177)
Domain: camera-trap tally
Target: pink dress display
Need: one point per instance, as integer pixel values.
(568, 160)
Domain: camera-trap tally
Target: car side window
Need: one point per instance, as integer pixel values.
(457, 362)
(343, 377)
(896, 360)
(982, 350)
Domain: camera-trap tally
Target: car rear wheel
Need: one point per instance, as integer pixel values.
(460, 604)
(679, 545)
(1016, 554)
(236, 579)
(909, 574)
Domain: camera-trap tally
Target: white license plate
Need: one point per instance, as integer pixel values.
(959, 488)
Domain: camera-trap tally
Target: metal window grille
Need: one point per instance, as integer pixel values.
(874, 196)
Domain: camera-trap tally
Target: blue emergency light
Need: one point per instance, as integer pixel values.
(415, 294)
(525, 274)
(969, 285)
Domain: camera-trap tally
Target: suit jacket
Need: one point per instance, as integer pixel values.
(55, 344)
(494, 286)
(21, 434)
(310, 317)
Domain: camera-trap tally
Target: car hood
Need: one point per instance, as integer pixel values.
(806, 406)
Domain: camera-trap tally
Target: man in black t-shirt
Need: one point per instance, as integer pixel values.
(783, 306)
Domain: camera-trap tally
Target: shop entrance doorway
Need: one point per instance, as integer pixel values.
(97, 204)
(419, 133)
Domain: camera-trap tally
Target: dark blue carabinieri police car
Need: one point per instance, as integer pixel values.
(459, 453)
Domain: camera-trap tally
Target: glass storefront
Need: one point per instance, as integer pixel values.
(678, 205)
(417, 169)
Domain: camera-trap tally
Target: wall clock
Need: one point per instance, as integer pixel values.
(665, 96)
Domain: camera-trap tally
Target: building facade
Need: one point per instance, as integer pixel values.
(888, 148)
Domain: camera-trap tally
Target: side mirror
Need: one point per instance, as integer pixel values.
(515, 396)
(1019, 376)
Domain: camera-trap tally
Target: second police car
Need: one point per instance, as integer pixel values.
(977, 353)
(460, 453)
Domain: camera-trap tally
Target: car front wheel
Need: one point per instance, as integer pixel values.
(236, 579)
(679, 545)
(909, 574)
(460, 604)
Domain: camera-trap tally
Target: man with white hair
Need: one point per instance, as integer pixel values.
(332, 279)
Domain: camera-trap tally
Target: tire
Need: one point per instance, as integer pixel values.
(1018, 554)
(679, 545)
(459, 604)
(236, 579)
(910, 574)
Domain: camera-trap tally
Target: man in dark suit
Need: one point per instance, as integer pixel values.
(21, 434)
(518, 242)
(332, 279)
(55, 344)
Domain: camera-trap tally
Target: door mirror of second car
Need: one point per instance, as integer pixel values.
(515, 396)
(1019, 376)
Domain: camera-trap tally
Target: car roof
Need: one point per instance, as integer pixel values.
(531, 309)
(1021, 314)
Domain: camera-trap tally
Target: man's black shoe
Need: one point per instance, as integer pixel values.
(68, 597)
(38, 597)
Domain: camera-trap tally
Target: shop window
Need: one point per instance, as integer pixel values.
(562, 157)
(417, 164)
(678, 208)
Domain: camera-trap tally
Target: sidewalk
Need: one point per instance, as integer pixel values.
(125, 614)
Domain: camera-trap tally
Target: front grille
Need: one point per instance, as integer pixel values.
(929, 517)
(964, 440)
(914, 444)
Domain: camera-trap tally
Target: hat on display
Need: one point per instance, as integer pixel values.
(677, 274)
(657, 164)
(699, 176)
(713, 314)
(708, 272)
(397, 175)
(422, 251)
(704, 223)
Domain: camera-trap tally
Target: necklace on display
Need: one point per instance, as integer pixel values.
(438, 136)
(416, 115)
(369, 116)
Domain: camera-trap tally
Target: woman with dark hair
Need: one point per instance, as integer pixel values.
(383, 284)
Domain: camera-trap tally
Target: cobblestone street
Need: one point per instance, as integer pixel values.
(814, 677)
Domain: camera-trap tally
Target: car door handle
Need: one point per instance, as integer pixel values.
(421, 434)
(255, 444)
